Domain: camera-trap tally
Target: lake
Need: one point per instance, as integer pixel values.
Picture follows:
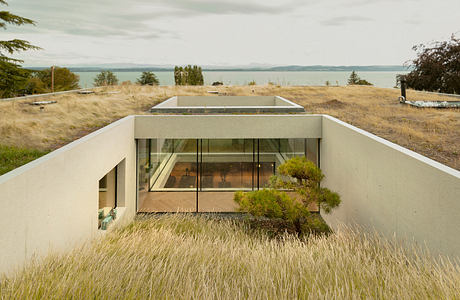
(378, 78)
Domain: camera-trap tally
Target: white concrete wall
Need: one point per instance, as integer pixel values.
(52, 202)
(226, 100)
(228, 126)
(391, 189)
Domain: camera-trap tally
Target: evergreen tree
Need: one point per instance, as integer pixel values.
(148, 78)
(12, 77)
(105, 78)
(353, 79)
(188, 75)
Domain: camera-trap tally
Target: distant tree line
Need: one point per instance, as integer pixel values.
(436, 68)
(106, 78)
(189, 75)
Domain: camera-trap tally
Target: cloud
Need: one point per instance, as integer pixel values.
(130, 19)
(343, 20)
(203, 7)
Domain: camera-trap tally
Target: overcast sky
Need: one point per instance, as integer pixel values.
(231, 32)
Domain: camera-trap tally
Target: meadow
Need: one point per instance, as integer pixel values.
(198, 257)
(434, 133)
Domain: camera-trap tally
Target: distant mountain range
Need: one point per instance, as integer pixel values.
(247, 68)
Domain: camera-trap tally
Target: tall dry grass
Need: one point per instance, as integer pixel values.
(190, 257)
(431, 132)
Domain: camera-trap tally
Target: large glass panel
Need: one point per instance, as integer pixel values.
(203, 174)
(290, 148)
(143, 170)
(174, 176)
(161, 151)
(226, 166)
(269, 158)
(312, 150)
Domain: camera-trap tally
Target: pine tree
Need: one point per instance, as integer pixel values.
(188, 75)
(12, 77)
(353, 79)
(148, 78)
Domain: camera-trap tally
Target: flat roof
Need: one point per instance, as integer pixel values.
(227, 104)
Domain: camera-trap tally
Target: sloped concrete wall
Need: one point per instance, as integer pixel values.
(52, 202)
(390, 189)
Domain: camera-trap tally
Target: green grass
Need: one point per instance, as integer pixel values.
(194, 257)
(13, 157)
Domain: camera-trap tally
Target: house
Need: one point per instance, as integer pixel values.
(195, 162)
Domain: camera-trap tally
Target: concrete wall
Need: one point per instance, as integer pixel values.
(52, 202)
(227, 104)
(226, 100)
(391, 189)
(228, 126)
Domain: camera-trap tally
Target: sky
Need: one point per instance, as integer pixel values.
(230, 32)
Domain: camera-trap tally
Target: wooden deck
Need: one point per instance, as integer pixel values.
(186, 202)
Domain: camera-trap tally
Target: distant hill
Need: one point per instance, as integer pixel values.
(291, 68)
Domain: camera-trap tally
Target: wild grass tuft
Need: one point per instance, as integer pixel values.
(195, 257)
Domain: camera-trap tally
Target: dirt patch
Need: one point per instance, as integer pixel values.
(331, 104)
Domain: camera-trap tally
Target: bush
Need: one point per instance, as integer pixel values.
(64, 79)
(148, 78)
(217, 83)
(304, 178)
(436, 67)
(253, 82)
(105, 78)
(272, 204)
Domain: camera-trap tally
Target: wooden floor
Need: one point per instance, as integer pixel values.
(186, 202)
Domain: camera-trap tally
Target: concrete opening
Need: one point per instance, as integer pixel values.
(111, 195)
(227, 104)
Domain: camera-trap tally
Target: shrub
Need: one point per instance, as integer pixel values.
(148, 78)
(64, 79)
(253, 82)
(304, 177)
(436, 67)
(273, 204)
(105, 78)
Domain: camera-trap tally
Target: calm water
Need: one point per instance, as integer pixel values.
(379, 79)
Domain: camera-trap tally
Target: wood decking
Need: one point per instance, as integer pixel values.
(186, 202)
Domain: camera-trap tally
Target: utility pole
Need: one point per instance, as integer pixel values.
(52, 79)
